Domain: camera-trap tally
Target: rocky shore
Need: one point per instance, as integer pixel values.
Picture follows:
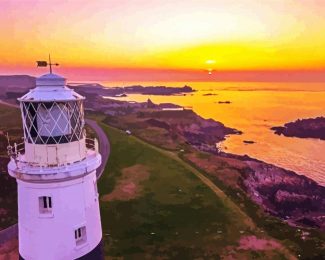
(294, 198)
(303, 128)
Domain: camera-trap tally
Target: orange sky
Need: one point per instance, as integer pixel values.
(95, 39)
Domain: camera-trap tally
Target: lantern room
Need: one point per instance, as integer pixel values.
(53, 122)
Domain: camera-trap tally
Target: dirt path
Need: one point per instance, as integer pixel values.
(267, 241)
(205, 180)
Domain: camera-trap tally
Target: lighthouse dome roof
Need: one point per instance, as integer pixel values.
(50, 76)
(50, 80)
(50, 87)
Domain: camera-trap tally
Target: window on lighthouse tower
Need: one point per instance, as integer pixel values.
(80, 235)
(45, 204)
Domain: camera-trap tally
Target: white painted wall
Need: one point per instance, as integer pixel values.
(75, 203)
(62, 153)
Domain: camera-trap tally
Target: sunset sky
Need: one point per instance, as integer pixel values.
(138, 39)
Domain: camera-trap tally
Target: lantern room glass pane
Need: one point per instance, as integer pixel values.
(53, 122)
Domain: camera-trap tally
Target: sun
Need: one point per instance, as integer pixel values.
(210, 61)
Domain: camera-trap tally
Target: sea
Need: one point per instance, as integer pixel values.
(254, 108)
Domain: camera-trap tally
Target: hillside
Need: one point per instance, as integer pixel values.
(14, 86)
(155, 205)
(12, 82)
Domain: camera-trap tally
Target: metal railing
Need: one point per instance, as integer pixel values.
(16, 150)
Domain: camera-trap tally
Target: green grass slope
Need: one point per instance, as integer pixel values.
(174, 215)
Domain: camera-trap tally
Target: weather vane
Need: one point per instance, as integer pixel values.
(45, 63)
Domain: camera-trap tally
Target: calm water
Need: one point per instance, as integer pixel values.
(254, 109)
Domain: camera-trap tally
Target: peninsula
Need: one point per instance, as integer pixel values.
(136, 89)
(303, 128)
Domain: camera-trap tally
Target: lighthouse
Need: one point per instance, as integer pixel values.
(55, 168)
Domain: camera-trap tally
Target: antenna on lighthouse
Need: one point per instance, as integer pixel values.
(45, 63)
(50, 63)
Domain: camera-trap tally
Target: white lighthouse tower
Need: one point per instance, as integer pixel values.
(55, 169)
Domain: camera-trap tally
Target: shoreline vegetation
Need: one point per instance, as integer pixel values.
(286, 206)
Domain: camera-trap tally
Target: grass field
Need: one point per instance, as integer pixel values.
(171, 214)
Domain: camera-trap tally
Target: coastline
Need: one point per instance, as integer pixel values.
(202, 135)
(280, 192)
(255, 108)
(273, 227)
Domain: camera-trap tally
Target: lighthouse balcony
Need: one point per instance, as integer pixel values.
(51, 162)
(48, 155)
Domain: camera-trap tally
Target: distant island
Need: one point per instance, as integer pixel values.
(136, 89)
(210, 94)
(303, 128)
(248, 142)
(224, 102)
